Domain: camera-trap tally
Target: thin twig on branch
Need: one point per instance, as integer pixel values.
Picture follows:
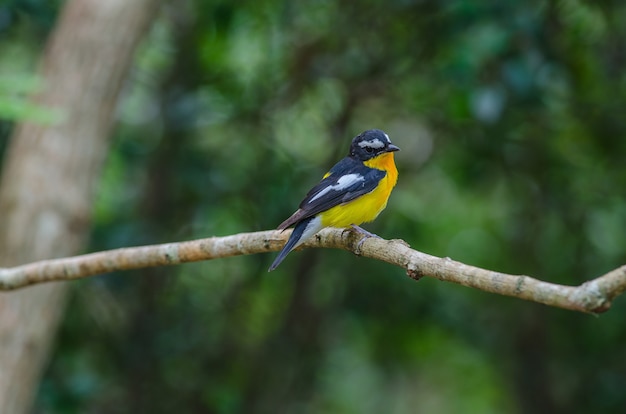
(594, 296)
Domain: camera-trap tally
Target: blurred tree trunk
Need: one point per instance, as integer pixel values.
(51, 172)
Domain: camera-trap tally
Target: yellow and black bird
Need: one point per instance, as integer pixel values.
(354, 191)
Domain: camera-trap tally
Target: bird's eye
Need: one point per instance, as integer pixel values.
(369, 149)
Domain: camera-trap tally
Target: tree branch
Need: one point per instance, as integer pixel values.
(594, 296)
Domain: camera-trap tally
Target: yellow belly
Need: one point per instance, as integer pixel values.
(367, 207)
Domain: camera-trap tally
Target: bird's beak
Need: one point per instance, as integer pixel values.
(392, 148)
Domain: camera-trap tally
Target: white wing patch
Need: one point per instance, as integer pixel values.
(374, 143)
(343, 182)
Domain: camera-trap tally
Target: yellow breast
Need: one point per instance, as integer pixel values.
(367, 207)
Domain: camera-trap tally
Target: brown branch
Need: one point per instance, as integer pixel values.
(594, 296)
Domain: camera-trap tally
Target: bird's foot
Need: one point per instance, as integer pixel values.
(365, 233)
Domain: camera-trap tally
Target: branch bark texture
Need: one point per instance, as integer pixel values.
(594, 296)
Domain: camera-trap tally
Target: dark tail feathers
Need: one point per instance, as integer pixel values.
(295, 237)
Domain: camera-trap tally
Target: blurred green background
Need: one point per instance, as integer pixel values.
(511, 120)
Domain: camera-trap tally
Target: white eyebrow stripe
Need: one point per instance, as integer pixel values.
(343, 182)
(388, 140)
(375, 143)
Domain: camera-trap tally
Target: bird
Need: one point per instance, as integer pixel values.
(352, 192)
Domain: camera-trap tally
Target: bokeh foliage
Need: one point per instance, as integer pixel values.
(510, 116)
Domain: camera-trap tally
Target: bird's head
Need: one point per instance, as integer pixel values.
(370, 144)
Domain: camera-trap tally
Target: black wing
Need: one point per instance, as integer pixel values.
(347, 180)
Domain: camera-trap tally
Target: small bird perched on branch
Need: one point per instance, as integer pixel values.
(353, 192)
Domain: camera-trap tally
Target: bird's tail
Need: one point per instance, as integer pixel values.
(302, 232)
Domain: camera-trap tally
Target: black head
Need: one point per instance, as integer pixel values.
(370, 144)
